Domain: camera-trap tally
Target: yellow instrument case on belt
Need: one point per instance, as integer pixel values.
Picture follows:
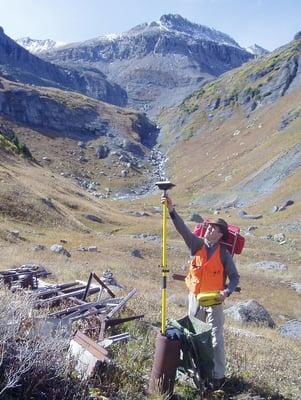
(208, 299)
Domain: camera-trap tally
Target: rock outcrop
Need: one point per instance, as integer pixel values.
(250, 312)
(71, 114)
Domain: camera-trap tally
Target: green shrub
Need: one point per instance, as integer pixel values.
(12, 143)
(250, 91)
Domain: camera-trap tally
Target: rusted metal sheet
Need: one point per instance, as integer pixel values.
(87, 353)
(88, 344)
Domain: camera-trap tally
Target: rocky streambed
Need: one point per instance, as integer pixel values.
(156, 172)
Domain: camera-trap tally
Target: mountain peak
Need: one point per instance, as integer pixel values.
(175, 22)
(257, 50)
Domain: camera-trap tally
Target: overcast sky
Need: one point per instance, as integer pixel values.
(269, 23)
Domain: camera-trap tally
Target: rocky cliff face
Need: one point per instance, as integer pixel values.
(103, 148)
(18, 64)
(256, 85)
(157, 64)
(72, 115)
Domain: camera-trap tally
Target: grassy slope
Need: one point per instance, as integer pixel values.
(215, 155)
(115, 241)
(208, 159)
(208, 148)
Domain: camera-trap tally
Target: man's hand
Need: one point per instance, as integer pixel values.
(223, 295)
(168, 202)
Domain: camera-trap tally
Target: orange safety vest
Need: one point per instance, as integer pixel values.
(206, 275)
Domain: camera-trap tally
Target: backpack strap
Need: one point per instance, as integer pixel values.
(224, 252)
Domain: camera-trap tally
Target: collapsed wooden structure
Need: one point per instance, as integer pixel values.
(25, 276)
(68, 304)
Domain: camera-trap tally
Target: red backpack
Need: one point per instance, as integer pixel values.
(235, 242)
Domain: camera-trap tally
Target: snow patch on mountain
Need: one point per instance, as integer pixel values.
(37, 46)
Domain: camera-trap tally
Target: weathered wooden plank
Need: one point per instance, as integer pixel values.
(178, 277)
(103, 285)
(86, 314)
(122, 303)
(65, 296)
(87, 286)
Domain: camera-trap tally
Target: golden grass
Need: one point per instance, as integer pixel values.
(250, 363)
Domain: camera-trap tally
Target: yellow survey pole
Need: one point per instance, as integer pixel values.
(164, 185)
(164, 266)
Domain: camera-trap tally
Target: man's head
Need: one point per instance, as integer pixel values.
(217, 230)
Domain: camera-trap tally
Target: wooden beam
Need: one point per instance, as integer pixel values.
(66, 295)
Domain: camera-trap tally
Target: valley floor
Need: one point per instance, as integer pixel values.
(260, 360)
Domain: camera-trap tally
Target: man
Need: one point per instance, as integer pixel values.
(211, 266)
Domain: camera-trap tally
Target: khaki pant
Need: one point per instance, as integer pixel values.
(215, 316)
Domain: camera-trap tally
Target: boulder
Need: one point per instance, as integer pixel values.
(297, 287)
(275, 265)
(48, 202)
(93, 218)
(102, 151)
(15, 234)
(132, 148)
(279, 237)
(196, 218)
(136, 253)
(243, 214)
(82, 248)
(286, 204)
(92, 249)
(250, 311)
(83, 159)
(291, 328)
(38, 247)
(59, 249)
(108, 278)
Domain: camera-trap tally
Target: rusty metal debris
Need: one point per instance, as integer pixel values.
(25, 276)
(68, 304)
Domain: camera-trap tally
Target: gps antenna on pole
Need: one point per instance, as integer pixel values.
(167, 354)
(164, 185)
